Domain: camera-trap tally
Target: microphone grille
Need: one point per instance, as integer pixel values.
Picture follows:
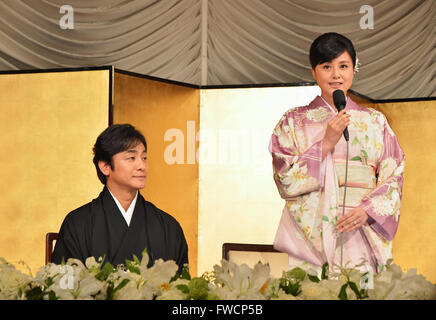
(339, 99)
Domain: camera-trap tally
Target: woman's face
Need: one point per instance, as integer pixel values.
(334, 75)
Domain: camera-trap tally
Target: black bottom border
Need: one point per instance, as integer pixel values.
(243, 309)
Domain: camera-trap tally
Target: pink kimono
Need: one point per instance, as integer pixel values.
(313, 188)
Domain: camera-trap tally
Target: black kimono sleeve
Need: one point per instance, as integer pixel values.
(69, 243)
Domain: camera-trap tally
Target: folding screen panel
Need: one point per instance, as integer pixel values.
(413, 121)
(168, 115)
(238, 199)
(415, 242)
(48, 124)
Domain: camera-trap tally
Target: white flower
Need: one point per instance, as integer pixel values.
(312, 290)
(357, 66)
(133, 289)
(388, 167)
(70, 281)
(324, 290)
(281, 295)
(229, 281)
(317, 115)
(386, 206)
(286, 137)
(393, 284)
(297, 178)
(160, 273)
(12, 281)
(50, 270)
(173, 293)
(241, 282)
(301, 139)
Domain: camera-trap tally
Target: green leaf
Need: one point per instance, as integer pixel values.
(49, 282)
(185, 273)
(132, 268)
(198, 288)
(107, 269)
(121, 285)
(356, 158)
(343, 293)
(145, 251)
(325, 267)
(296, 273)
(361, 294)
(111, 290)
(391, 190)
(182, 275)
(183, 287)
(35, 293)
(366, 138)
(355, 141)
(290, 287)
(52, 296)
(364, 154)
(353, 287)
(325, 218)
(135, 258)
(313, 278)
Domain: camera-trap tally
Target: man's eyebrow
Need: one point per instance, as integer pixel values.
(134, 151)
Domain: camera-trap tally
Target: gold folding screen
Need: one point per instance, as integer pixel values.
(48, 124)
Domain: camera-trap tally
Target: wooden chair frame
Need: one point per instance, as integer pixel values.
(49, 239)
(228, 246)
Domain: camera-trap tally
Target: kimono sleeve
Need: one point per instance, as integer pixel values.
(176, 244)
(296, 172)
(67, 245)
(383, 204)
(182, 250)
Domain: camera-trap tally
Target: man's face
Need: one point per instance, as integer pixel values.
(129, 171)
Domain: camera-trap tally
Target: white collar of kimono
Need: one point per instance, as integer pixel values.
(127, 215)
(328, 104)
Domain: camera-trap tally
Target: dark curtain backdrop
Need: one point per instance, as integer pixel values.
(219, 42)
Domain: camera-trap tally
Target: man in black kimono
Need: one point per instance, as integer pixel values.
(120, 222)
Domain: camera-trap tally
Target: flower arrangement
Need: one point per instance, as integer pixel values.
(100, 280)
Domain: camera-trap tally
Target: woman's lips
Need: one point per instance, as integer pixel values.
(335, 84)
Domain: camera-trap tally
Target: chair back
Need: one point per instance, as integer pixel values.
(251, 254)
(50, 239)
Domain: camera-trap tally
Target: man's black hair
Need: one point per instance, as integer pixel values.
(329, 46)
(114, 139)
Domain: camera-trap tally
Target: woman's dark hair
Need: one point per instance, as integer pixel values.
(329, 46)
(114, 139)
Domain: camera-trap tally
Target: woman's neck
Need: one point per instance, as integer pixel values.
(329, 99)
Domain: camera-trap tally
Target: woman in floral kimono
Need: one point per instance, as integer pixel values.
(309, 152)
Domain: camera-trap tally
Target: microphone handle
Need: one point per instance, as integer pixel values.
(346, 136)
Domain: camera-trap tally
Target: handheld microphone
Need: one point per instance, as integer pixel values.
(339, 101)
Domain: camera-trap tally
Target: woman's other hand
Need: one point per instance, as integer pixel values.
(354, 219)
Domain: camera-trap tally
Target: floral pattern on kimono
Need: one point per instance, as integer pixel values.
(313, 187)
